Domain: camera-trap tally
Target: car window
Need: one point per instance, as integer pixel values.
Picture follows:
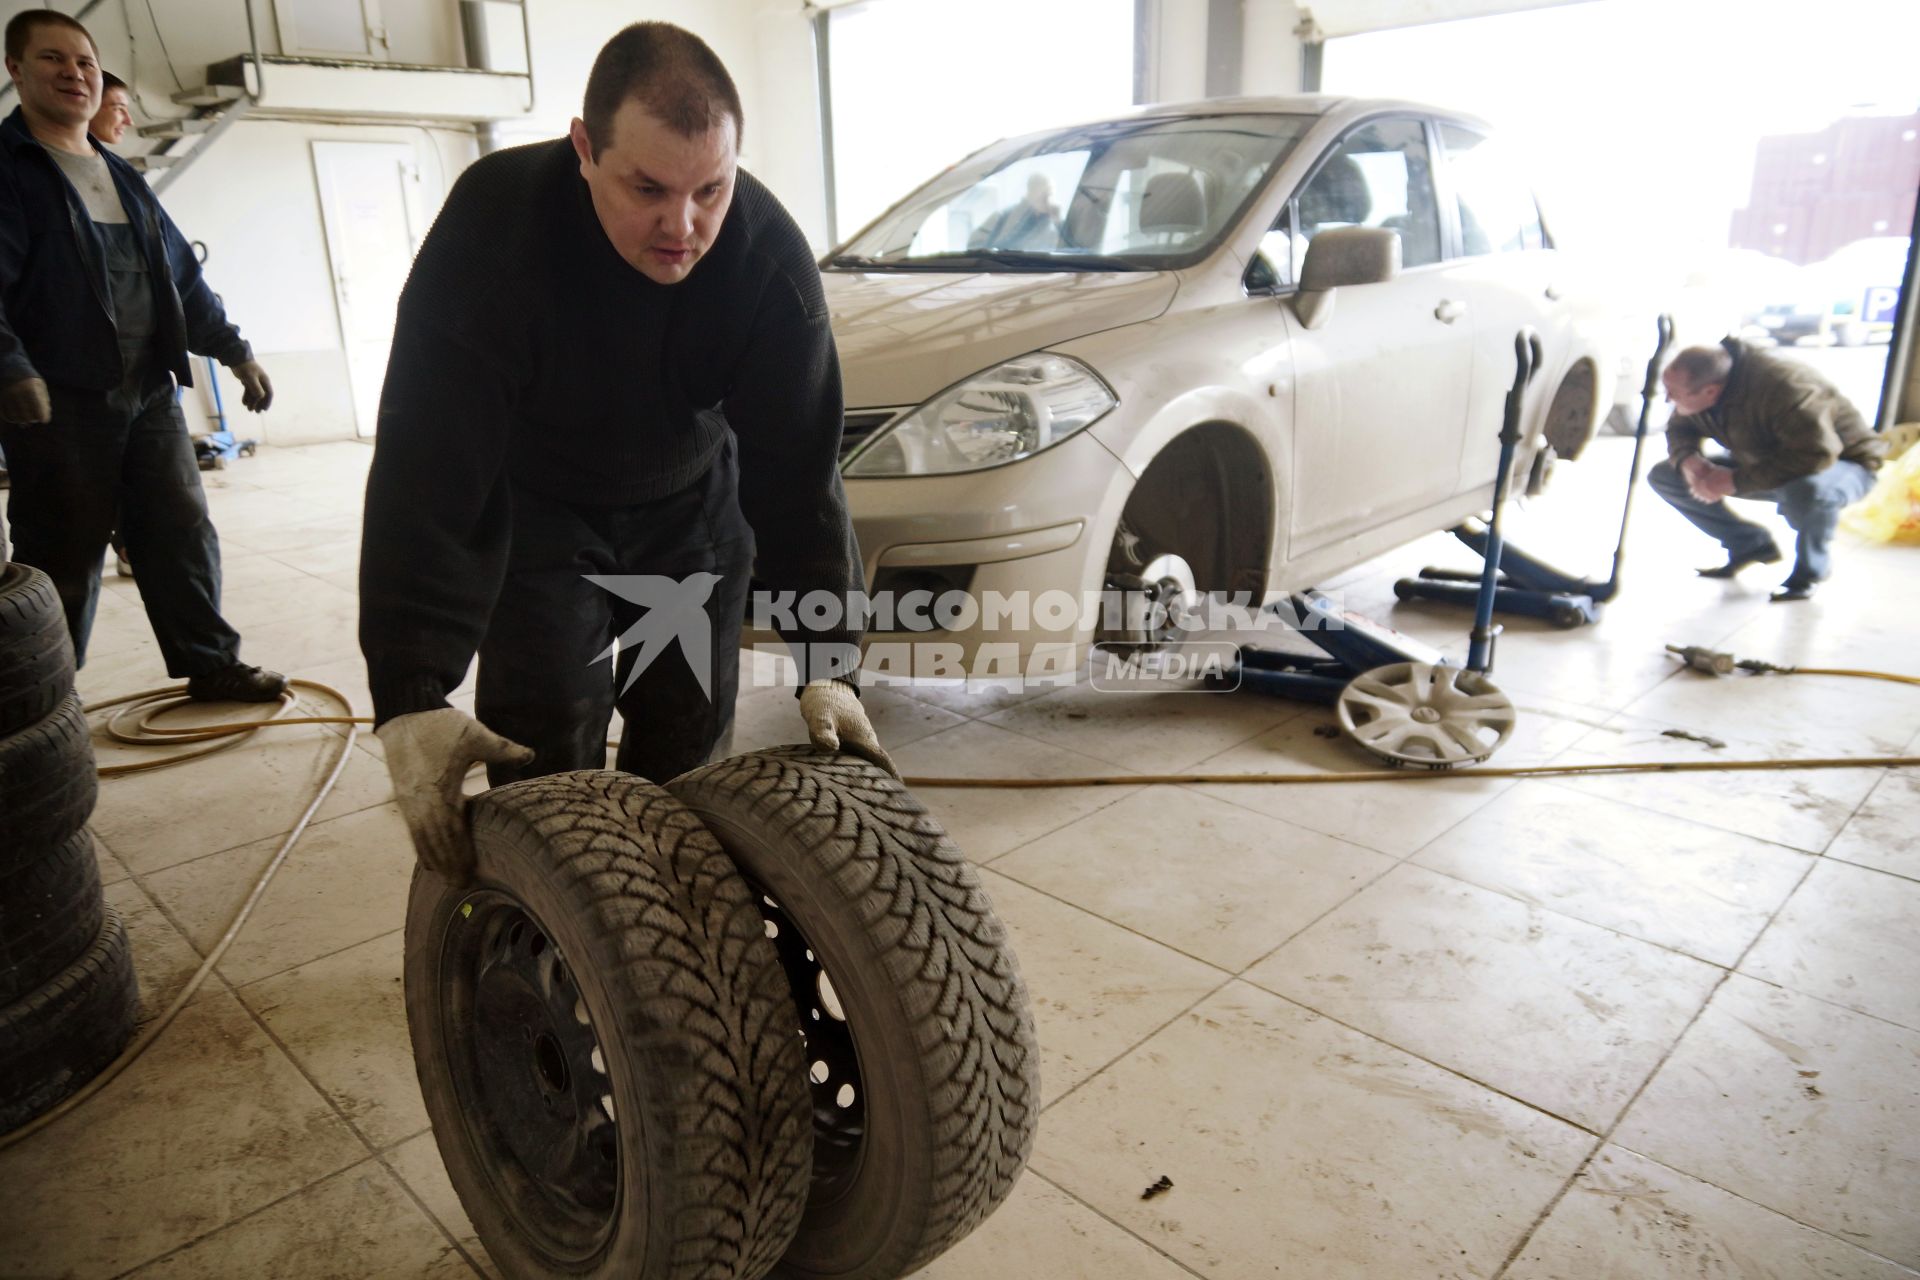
(1379, 176)
(1130, 194)
(1272, 265)
(1497, 210)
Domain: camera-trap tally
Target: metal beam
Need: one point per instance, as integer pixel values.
(1226, 36)
(823, 74)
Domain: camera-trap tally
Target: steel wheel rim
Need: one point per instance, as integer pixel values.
(1419, 715)
(530, 1076)
(835, 1084)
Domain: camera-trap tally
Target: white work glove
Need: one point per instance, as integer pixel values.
(24, 402)
(428, 755)
(837, 722)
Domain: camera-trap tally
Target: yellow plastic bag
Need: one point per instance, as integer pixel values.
(1891, 510)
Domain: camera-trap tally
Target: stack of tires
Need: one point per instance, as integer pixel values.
(68, 1000)
(761, 1021)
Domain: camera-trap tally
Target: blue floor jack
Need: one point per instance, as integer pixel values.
(218, 447)
(1393, 696)
(1524, 585)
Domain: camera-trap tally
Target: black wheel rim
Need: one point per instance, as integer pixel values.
(834, 1079)
(532, 1081)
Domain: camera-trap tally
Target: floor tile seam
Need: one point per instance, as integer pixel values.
(1193, 789)
(1869, 1015)
(1224, 972)
(906, 690)
(1568, 781)
(1118, 1226)
(274, 835)
(250, 1214)
(1121, 792)
(1762, 1205)
(364, 1139)
(397, 1143)
(1862, 866)
(1228, 798)
(1226, 981)
(1456, 1072)
(1270, 952)
(1537, 905)
(383, 1157)
(1606, 1136)
(239, 987)
(1663, 723)
(1562, 778)
(1189, 767)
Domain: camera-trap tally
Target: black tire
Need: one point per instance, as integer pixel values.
(47, 785)
(50, 911)
(63, 1035)
(936, 1041)
(36, 653)
(597, 894)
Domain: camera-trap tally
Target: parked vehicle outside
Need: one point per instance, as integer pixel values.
(1846, 299)
(1230, 347)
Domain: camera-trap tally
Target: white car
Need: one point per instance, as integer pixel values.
(1121, 355)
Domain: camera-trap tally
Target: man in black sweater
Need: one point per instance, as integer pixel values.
(612, 381)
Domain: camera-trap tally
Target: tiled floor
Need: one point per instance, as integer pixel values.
(1632, 1026)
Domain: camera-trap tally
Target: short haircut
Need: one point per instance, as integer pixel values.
(108, 80)
(20, 29)
(1702, 366)
(672, 74)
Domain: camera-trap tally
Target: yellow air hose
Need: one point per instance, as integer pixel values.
(134, 720)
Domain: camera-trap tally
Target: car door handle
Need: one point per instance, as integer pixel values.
(1449, 310)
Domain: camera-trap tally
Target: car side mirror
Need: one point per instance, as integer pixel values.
(1341, 258)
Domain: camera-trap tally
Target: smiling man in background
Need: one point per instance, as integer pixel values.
(103, 301)
(115, 116)
(612, 359)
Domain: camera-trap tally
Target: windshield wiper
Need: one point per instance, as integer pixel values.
(978, 259)
(1035, 258)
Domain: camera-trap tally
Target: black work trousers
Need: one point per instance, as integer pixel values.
(667, 609)
(122, 459)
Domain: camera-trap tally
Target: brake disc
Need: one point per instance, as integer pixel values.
(1423, 716)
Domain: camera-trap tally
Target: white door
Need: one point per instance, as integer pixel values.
(1381, 387)
(371, 203)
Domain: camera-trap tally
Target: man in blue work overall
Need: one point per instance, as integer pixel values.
(100, 302)
(613, 396)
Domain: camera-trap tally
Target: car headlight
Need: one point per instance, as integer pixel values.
(1000, 415)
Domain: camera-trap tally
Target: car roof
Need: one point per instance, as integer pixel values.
(1298, 104)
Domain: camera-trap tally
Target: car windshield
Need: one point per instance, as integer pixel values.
(1131, 195)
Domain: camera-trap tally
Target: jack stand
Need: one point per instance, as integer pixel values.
(1530, 587)
(1392, 696)
(1523, 586)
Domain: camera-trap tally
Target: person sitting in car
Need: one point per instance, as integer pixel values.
(1033, 223)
